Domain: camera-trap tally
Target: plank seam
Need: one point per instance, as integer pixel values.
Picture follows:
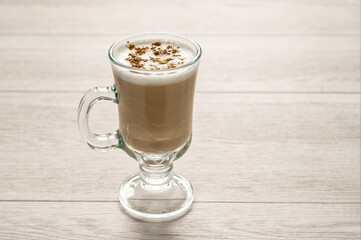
(116, 201)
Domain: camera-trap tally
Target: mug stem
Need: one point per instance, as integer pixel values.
(156, 177)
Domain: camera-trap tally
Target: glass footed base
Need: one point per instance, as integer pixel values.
(156, 203)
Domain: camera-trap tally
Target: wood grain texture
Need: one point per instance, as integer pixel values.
(219, 17)
(71, 220)
(230, 64)
(246, 148)
(276, 140)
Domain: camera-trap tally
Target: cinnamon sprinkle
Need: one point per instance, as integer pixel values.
(165, 56)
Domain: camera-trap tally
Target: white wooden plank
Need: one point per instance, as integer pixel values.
(217, 17)
(246, 148)
(232, 64)
(62, 220)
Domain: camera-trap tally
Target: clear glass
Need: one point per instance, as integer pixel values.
(155, 110)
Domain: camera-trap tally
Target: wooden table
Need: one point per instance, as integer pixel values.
(276, 140)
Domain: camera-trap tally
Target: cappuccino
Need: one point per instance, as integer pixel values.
(155, 94)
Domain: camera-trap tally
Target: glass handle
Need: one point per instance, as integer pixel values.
(99, 142)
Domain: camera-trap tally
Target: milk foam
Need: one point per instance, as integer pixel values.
(154, 77)
(183, 54)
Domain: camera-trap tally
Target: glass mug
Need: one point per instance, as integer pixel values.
(155, 110)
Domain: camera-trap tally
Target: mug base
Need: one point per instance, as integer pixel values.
(156, 203)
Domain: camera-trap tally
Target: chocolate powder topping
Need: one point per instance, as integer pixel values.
(164, 56)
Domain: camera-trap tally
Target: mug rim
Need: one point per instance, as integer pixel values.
(188, 64)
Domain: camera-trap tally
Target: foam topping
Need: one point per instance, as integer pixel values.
(154, 55)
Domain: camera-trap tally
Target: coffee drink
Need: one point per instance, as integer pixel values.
(154, 83)
(155, 103)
